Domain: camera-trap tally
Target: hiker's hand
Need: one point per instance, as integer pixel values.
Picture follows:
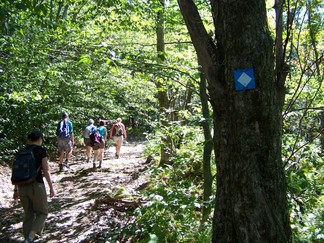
(15, 195)
(52, 194)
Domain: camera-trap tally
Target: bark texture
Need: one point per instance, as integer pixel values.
(251, 203)
(208, 149)
(163, 98)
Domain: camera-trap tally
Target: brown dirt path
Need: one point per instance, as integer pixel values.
(90, 205)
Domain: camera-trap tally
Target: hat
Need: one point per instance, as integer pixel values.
(35, 135)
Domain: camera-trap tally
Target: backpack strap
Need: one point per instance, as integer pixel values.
(32, 150)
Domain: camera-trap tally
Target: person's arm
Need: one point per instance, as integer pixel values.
(72, 138)
(106, 134)
(57, 133)
(124, 131)
(71, 133)
(45, 169)
(15, 193)
(111, 130)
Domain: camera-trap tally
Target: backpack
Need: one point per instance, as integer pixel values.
(102, 131)
(95, 137)
(118, 131)
(63, 129)
(24, 167)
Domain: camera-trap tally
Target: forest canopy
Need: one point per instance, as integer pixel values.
(109, 59)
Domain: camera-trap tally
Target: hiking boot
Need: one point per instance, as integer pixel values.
(99, 165)
(88, 160)
(94, 165)
(28, 240)
(60, 167)
(117, 156)
(66, 164)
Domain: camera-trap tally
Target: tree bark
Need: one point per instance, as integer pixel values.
(251, 203)
(322, 132)
(208, 148)
(282, 68)
(162, 93)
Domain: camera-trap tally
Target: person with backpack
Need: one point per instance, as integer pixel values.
(95, 141)
(65, 139)
(30, 188)
(86, 138)
(118, 133)
(103, 133)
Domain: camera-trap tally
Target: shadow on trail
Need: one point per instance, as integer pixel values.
(91, 205)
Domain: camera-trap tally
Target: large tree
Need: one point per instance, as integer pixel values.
(251, 203)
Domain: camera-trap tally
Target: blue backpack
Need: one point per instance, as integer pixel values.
(63, 129)
(24, 169)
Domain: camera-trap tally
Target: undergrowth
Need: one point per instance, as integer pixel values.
(173, 210)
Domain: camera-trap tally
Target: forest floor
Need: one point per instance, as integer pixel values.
(90, 205)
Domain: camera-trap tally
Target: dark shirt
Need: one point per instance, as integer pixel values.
(39, 153)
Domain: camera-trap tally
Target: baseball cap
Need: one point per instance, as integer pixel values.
(36, 134)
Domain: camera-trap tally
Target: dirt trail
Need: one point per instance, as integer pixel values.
(90, 204)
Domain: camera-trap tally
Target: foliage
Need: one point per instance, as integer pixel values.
(174, 199)
(81, 61)
(302, 147)
(97, 59)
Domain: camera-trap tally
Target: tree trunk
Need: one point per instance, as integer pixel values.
(251, 203)
(282, 68)
(322, 132)
(208, 148)
(162, 93)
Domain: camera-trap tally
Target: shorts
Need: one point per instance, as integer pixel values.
(87, 142)
(64, 145)
(102, 144)
(96, 146)
(118, 140)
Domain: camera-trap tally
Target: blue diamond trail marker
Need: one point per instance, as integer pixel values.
(244, 79)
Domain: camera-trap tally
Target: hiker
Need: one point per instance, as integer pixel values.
(118, 133)
(103, 133)
(86, 138)
(65, 140)
(95, 141)
(33, 196)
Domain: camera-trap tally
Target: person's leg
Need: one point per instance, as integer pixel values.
(88, 149)
(87, 143)
(118, 145)
(24, 192)
(68, 150)
(61, 149)
(118, 149)
(118, 141)
(95, 155)
(62, 153)
(100, 156)
(40, 208)
(101, 152)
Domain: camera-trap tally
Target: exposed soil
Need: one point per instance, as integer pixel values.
(91, 205)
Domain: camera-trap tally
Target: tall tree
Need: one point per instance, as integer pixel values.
(208, 148)
(162, 91)
(251, 203)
